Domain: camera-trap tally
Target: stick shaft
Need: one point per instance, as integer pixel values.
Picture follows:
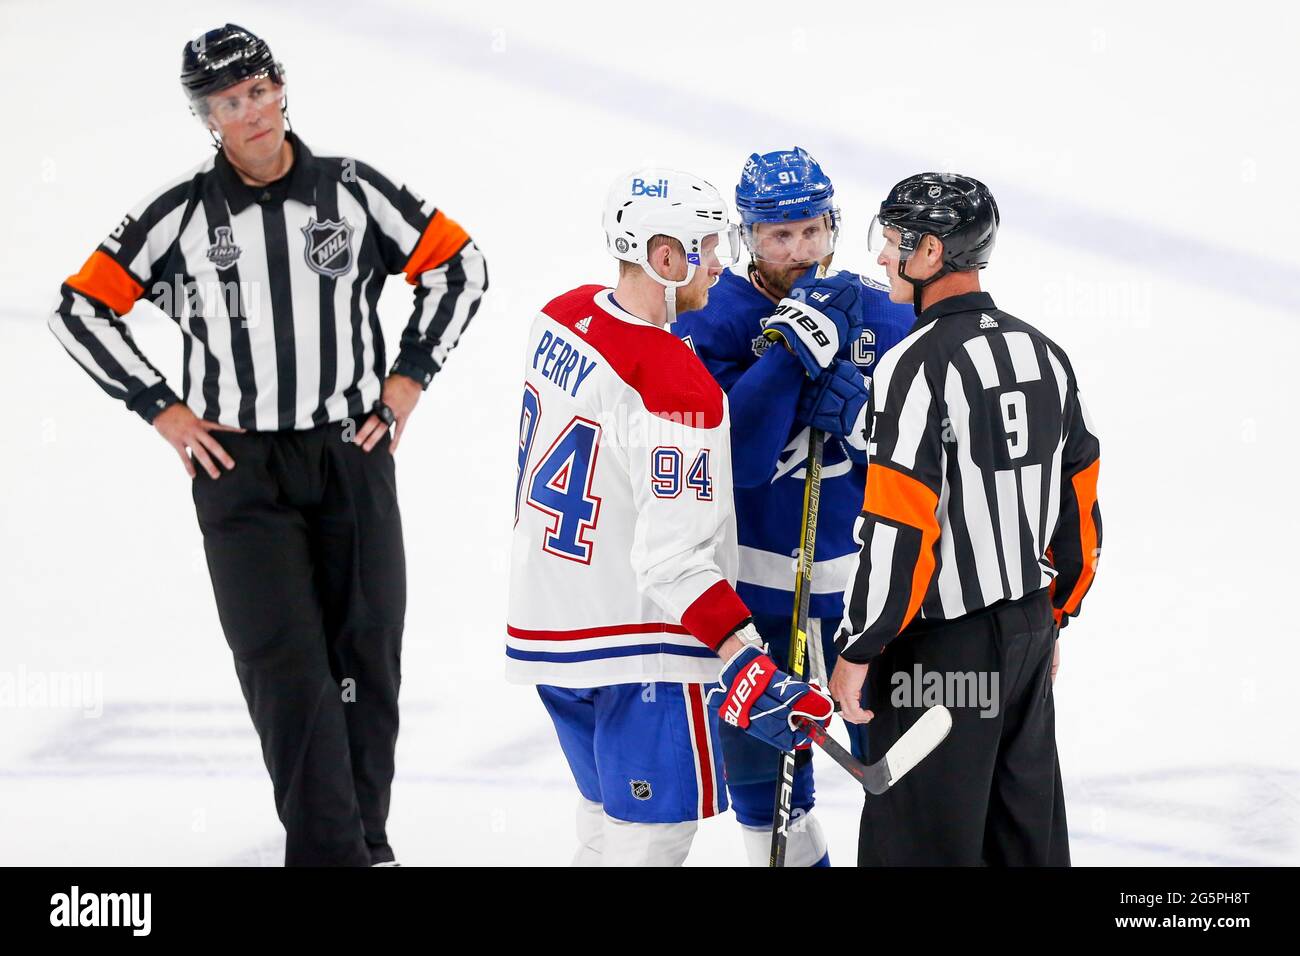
(798, 633)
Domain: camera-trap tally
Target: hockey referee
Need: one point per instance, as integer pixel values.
(271, 261)
(979, 537)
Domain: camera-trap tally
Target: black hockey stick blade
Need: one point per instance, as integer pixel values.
(909, 750)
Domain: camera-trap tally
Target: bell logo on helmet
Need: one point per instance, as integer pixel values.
(659, 190)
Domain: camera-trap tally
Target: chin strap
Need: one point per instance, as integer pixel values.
(919, 284)
(670, 289)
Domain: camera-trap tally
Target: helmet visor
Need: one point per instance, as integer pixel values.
(877, 240)
(720, 248)
(710, 250)
(233, 104)
(789, 243)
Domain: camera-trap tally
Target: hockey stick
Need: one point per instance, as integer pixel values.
(909, 750)
(799, 634)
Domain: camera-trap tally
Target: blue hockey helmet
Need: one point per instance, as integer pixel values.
(785, 186)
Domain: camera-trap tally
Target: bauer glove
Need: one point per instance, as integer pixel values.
(763, 701)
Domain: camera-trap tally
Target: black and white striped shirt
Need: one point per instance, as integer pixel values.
(275, 290)
(982, 477)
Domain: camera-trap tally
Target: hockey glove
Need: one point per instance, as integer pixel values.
(836, 402)
(764, 701)
(815, 319)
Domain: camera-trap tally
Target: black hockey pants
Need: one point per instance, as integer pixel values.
(990, 794)
(304, 544)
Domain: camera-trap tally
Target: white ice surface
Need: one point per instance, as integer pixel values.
(1144, 169)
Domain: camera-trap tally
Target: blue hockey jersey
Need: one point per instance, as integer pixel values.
(770, 449)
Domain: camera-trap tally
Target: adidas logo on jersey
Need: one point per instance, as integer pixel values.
(988, 322)
(583, 325)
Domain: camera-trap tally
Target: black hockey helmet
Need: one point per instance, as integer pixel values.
(223, 57)
(958, 210)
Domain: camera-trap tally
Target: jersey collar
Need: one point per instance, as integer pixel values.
(605, 299)
(301, 179)
(969, 302)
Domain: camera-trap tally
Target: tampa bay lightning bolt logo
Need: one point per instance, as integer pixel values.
(223, 253)
(329, 246)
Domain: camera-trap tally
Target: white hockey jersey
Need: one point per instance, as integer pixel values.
(624, 554)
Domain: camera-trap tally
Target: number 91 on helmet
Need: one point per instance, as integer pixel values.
(787, 208)
(646, 203)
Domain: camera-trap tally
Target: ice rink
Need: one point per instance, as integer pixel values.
(1145, 172)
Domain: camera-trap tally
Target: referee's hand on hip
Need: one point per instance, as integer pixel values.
(186, 432)
(400, 395)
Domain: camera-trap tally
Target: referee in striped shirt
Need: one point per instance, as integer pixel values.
(271, 260)
(980, 534)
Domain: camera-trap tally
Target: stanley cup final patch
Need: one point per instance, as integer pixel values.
(328, 246)
(223, 252)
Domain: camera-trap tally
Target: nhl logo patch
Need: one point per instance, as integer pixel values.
(328, 249)
(223, 253)
(641, 789)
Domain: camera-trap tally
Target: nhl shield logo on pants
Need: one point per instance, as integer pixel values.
(329, 246)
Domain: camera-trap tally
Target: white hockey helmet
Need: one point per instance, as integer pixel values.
(667, 202)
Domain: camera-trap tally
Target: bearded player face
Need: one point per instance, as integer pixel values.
(783, 251)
